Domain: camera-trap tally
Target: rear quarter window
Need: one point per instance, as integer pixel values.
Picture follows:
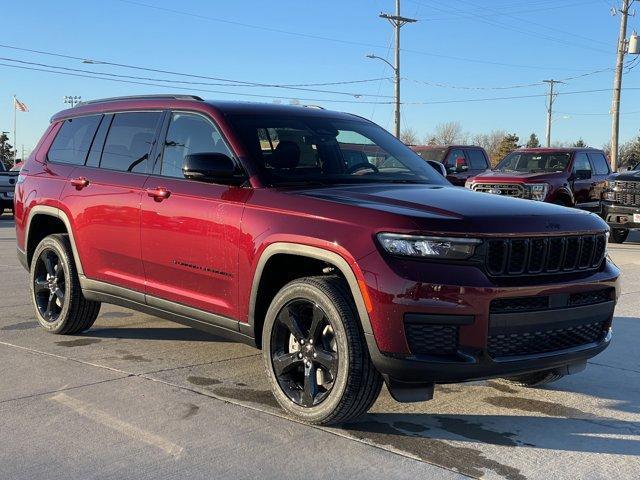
(477, 159)
(600, 164)
(73, 140)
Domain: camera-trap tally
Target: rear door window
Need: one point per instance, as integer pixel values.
(456, 161)
(581, 162)
(600, 164)
(477, 159)
(128, 144)
(73, 140)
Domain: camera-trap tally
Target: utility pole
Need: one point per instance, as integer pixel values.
(398, 22)
(551, 83)
(617, 83)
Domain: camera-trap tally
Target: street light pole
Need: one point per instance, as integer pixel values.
(398, 22)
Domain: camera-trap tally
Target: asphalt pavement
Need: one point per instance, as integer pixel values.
(138, 397)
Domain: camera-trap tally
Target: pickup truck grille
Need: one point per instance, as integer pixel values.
(505, 189)
(627, 193)
(547, 255)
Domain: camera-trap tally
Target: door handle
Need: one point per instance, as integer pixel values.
(159, 193)
(80, 183)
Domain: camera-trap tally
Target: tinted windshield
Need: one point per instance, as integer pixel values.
(322, 150)
(436, 154)
(534, 162)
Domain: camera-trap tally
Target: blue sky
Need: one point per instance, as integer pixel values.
(456, 43)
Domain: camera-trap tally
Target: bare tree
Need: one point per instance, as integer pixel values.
(490, 142)
(408, 136)
(448, 133)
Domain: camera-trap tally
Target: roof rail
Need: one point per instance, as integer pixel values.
(144, 97)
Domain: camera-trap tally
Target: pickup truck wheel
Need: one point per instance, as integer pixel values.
(618, 235)
(57, 297)
(315, 354)
(536, 379)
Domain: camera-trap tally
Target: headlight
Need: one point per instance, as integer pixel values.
(468, 184)
(428, 247)
(610, 192)
(536, 191)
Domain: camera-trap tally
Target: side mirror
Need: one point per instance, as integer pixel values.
(582, 174)
(211, 167)
(438, 167)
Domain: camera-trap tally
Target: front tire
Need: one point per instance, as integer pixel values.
(57, 298)
(536, 379)
(315, 354)
(618, 235)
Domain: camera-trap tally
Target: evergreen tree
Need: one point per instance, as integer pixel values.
(533, 141)
(580, 143)
(6, 150)
(508, 144)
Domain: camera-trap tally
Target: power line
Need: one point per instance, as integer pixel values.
(184, 82)
(518, 29)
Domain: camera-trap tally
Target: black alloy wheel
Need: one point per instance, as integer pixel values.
(49, 285)
(304, 352)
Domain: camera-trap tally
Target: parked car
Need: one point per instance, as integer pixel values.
(460, 161)
(7, 186)
(245, 221)
(621, 205)
(572, 177)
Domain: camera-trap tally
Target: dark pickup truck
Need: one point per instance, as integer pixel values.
(572, 177)
(460, 162)
(621, 204)
(7, 186)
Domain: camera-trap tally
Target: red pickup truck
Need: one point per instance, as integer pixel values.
(573, 177)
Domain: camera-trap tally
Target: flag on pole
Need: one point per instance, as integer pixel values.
(19, 105)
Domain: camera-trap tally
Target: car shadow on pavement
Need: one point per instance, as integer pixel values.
(186, 334)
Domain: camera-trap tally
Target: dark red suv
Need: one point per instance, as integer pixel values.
(572, 177)
(248, 221)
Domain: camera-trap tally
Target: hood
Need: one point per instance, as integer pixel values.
(632, 176)
(520, 177)
(458, 210)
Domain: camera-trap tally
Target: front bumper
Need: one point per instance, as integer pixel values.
(412, 290)
(620, 216)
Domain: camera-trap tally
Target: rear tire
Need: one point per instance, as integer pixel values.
(618, 235)
(536, 379)
(57, 298)
(315, 354)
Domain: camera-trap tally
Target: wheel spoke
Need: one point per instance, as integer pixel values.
(328, 360)
(48, 311)
(59, 270)
(48, 263)
(290, 320)
(60, 294)
(284, 362)
(40, 285)
(310, 386)
(316, 322)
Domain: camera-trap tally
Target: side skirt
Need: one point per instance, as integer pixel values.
(174, 312)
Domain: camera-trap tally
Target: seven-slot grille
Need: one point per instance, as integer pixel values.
(534, 256)
(506, 189)
(627, 193)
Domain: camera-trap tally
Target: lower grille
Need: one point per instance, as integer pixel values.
(426, 339)
(542, 341)
(519, 304)
(591, 298)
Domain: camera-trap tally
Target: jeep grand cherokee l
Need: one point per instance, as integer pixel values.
(246, 220)
(573, 177)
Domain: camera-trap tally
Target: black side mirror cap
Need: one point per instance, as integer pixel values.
(212, 167)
